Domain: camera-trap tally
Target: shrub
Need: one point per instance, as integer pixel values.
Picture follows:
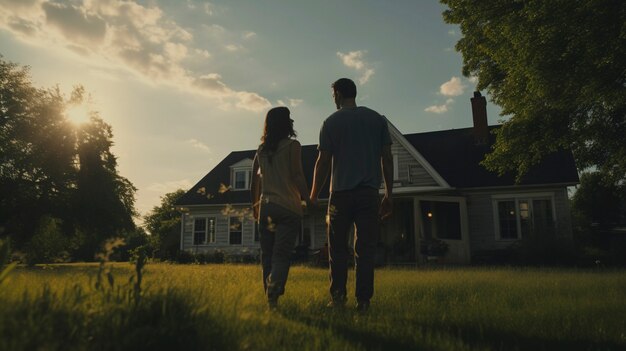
(48, 244)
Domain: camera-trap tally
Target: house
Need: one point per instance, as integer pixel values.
(440, 191)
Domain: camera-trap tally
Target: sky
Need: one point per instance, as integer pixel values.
(183, 83)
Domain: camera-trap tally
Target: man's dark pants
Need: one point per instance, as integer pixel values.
(358, 207)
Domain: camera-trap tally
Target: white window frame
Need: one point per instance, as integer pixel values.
(247, 172)
(209, 237)
(241, 219)
(517, 197)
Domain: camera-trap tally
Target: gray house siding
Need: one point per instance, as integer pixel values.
(410, 171)
(222, 232)
(482, 219)
(563, 214)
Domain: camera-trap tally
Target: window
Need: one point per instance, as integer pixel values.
(203, 230)
(508, 219)
(199, 231)
(240, 173)
(235, 231)
(241, 179)
(519, 217)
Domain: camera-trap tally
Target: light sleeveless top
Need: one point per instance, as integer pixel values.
(277, 179)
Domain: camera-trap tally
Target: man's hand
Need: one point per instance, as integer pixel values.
(386, 208)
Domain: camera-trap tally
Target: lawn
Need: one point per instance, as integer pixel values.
(186, 307)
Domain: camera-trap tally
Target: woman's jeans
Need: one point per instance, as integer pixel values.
(278, 228)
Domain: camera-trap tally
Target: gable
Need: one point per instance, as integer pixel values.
(245, 163)
(411, 169)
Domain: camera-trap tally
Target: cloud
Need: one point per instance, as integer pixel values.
(452, 32)
(208, 9)
(74, 23)
(295, 102)
(439, 109)
(233, 47)
(169, 186)
(203, 53)
(354, 60)
(473, 79)
(248, 35)
(290, 102)
(199, 145)
(116, 34)
(453, 87)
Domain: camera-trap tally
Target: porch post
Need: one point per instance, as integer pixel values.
(417, 223)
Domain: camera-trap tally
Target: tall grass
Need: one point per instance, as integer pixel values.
(222, 307)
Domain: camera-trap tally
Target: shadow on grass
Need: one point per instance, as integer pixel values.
(336, 320)
(435, 336)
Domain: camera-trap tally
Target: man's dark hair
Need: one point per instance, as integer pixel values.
(345, 87)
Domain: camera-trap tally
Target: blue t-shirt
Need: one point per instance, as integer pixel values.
(355, 137)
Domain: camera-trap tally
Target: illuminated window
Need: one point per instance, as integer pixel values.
(518, 217)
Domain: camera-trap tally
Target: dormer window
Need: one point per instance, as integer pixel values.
(242, 180)
(240, 174)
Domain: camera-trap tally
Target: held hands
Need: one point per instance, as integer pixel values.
(386, 208)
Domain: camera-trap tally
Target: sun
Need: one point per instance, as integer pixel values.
(78, 114)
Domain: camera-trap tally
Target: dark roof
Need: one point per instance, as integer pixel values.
(456, 157)
(221, 175)
(452, 153)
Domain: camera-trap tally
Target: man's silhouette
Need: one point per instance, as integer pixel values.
(355, 141)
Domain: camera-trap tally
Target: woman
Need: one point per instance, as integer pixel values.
(278, 188)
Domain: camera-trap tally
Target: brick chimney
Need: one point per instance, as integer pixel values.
(479, 114)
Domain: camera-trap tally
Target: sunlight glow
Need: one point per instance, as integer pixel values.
(78, 114)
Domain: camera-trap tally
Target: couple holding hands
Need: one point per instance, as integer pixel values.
(355, 147)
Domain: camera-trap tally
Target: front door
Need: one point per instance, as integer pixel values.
(397, 242)
(443, 218)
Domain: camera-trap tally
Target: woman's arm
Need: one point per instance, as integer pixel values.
(297, 172)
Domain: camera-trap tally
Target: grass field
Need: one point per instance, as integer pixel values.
(186, 307)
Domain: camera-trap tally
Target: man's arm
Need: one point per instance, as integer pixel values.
(322, 168)
(255, 188)
(386, 161)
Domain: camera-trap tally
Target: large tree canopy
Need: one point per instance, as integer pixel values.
(50, 168)
(558, 70)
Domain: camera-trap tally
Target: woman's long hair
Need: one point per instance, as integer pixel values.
(278, 126)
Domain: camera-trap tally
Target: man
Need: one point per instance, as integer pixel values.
(356, 141)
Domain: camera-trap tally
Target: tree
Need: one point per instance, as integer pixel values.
(55, 172)
(598, 201)
(557, 68)
(37, 149)
(103, 200)
(163, 224)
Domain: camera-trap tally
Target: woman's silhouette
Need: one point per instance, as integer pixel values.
(278, 189)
